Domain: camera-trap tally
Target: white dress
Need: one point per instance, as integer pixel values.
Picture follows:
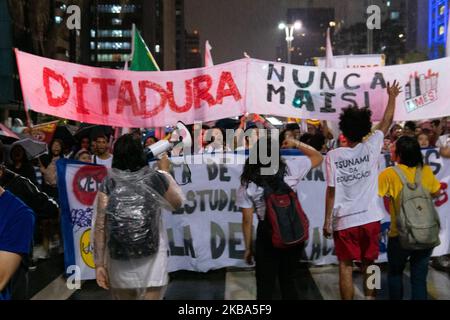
(144, 272)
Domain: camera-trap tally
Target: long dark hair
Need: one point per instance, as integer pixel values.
(252, 171)
(128, 154)
(24, 161)
(408, 151)
(61, 143)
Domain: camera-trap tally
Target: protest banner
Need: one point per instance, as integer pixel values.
(156, 99)
(78, 185)
(206, 233)
(131, 99)
(312, 93)
(353, 61)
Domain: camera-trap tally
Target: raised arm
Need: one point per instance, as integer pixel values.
(314, 155)
(393, 92)
(174, 194)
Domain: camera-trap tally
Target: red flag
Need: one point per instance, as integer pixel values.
(42, 132)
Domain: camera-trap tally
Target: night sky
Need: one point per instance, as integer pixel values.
(235, 26)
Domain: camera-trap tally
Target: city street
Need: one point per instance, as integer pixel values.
(314, 283)
(232, 149)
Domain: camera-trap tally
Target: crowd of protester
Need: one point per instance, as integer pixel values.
(312, 138)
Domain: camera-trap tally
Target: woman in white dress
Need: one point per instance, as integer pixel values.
(130, 245)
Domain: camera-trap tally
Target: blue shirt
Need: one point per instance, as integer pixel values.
(16, 228)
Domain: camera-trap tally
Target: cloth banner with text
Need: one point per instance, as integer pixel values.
(78, 184)
(156, 99)
(206, 233)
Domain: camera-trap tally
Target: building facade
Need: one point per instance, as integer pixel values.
(438, 13)
(192, 50)
(7, 92)
(161, 23)
(110, 30)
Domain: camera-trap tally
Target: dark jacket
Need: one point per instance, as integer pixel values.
(26, 171)
(42, 205)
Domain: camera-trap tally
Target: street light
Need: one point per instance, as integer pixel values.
(289, 29)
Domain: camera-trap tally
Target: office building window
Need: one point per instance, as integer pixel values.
(113, 8)
(113, 57)
(114, 33)
(114, 45)
(395, 15)
(116, 21)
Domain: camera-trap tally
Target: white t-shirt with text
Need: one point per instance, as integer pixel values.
(353, 172)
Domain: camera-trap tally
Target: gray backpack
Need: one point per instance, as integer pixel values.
(417, 221)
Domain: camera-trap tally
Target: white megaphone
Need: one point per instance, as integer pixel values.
(180, 137)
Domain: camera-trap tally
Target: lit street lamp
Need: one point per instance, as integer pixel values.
(289, 29)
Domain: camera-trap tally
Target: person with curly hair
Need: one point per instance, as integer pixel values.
(352, 211)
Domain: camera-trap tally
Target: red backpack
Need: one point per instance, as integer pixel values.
(288, 221)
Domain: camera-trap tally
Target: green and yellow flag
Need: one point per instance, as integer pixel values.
(142, 58)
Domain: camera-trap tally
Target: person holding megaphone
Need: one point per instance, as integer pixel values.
(130, 246)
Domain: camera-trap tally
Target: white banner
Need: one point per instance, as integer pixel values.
(354, 61)
(313, 93)
(206, 233)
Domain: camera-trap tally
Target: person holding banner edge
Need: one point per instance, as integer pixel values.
(352, 210)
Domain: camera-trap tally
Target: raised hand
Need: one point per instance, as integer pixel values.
(394, 90)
